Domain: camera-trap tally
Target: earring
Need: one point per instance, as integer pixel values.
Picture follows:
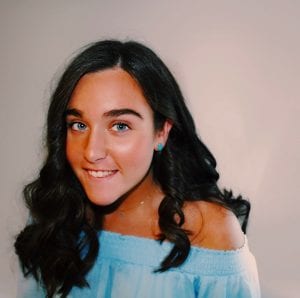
(160, 147)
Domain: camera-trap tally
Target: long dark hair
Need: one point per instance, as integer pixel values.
(60, 243)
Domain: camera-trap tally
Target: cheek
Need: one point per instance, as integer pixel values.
(135, 152)
(72, 153)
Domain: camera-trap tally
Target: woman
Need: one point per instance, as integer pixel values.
(124, 169)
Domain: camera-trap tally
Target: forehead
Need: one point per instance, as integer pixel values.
(107, 90)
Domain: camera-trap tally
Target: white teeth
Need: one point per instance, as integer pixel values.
(100, 174)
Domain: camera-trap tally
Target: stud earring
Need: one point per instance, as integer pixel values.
(160, 147)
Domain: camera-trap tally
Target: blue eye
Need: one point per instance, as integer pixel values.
(78, 126)
(120, 127)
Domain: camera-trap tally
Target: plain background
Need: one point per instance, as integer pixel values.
(237, 63)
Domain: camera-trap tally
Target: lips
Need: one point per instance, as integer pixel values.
(101, 173)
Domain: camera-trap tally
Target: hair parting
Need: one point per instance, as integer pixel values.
(60, 243)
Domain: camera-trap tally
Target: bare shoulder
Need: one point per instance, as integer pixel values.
(212, 226)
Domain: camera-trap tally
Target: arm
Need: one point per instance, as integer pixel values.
(216, 228)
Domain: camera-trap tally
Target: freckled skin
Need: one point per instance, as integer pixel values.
(97, 142)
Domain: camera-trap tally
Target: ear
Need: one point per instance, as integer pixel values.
(162, 135)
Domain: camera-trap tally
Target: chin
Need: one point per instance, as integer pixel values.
(102, 200)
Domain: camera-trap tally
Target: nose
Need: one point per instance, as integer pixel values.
(95, 148)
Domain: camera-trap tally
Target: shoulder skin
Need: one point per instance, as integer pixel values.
(212, 226)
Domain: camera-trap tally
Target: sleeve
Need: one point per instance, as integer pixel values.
(239, 285)
(28, 287)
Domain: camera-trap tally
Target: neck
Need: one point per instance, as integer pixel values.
(137, 211)
(146, 191)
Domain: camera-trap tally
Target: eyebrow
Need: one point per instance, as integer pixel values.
(119, 112)
(111, 113)
(73, 112)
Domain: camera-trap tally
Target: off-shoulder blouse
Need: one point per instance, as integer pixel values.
(125, 268)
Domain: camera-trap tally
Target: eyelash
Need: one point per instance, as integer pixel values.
(72, 123)
(121, 124)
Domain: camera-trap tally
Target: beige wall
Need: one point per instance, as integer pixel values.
(238, 65)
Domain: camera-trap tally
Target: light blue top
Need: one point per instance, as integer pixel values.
(125, 265)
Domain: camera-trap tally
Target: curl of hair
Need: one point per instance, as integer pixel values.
(60, 243)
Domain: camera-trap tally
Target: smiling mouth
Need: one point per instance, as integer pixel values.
(101, 174)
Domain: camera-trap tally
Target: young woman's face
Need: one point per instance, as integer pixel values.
(110, 138)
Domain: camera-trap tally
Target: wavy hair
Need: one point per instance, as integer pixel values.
(60, 243)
